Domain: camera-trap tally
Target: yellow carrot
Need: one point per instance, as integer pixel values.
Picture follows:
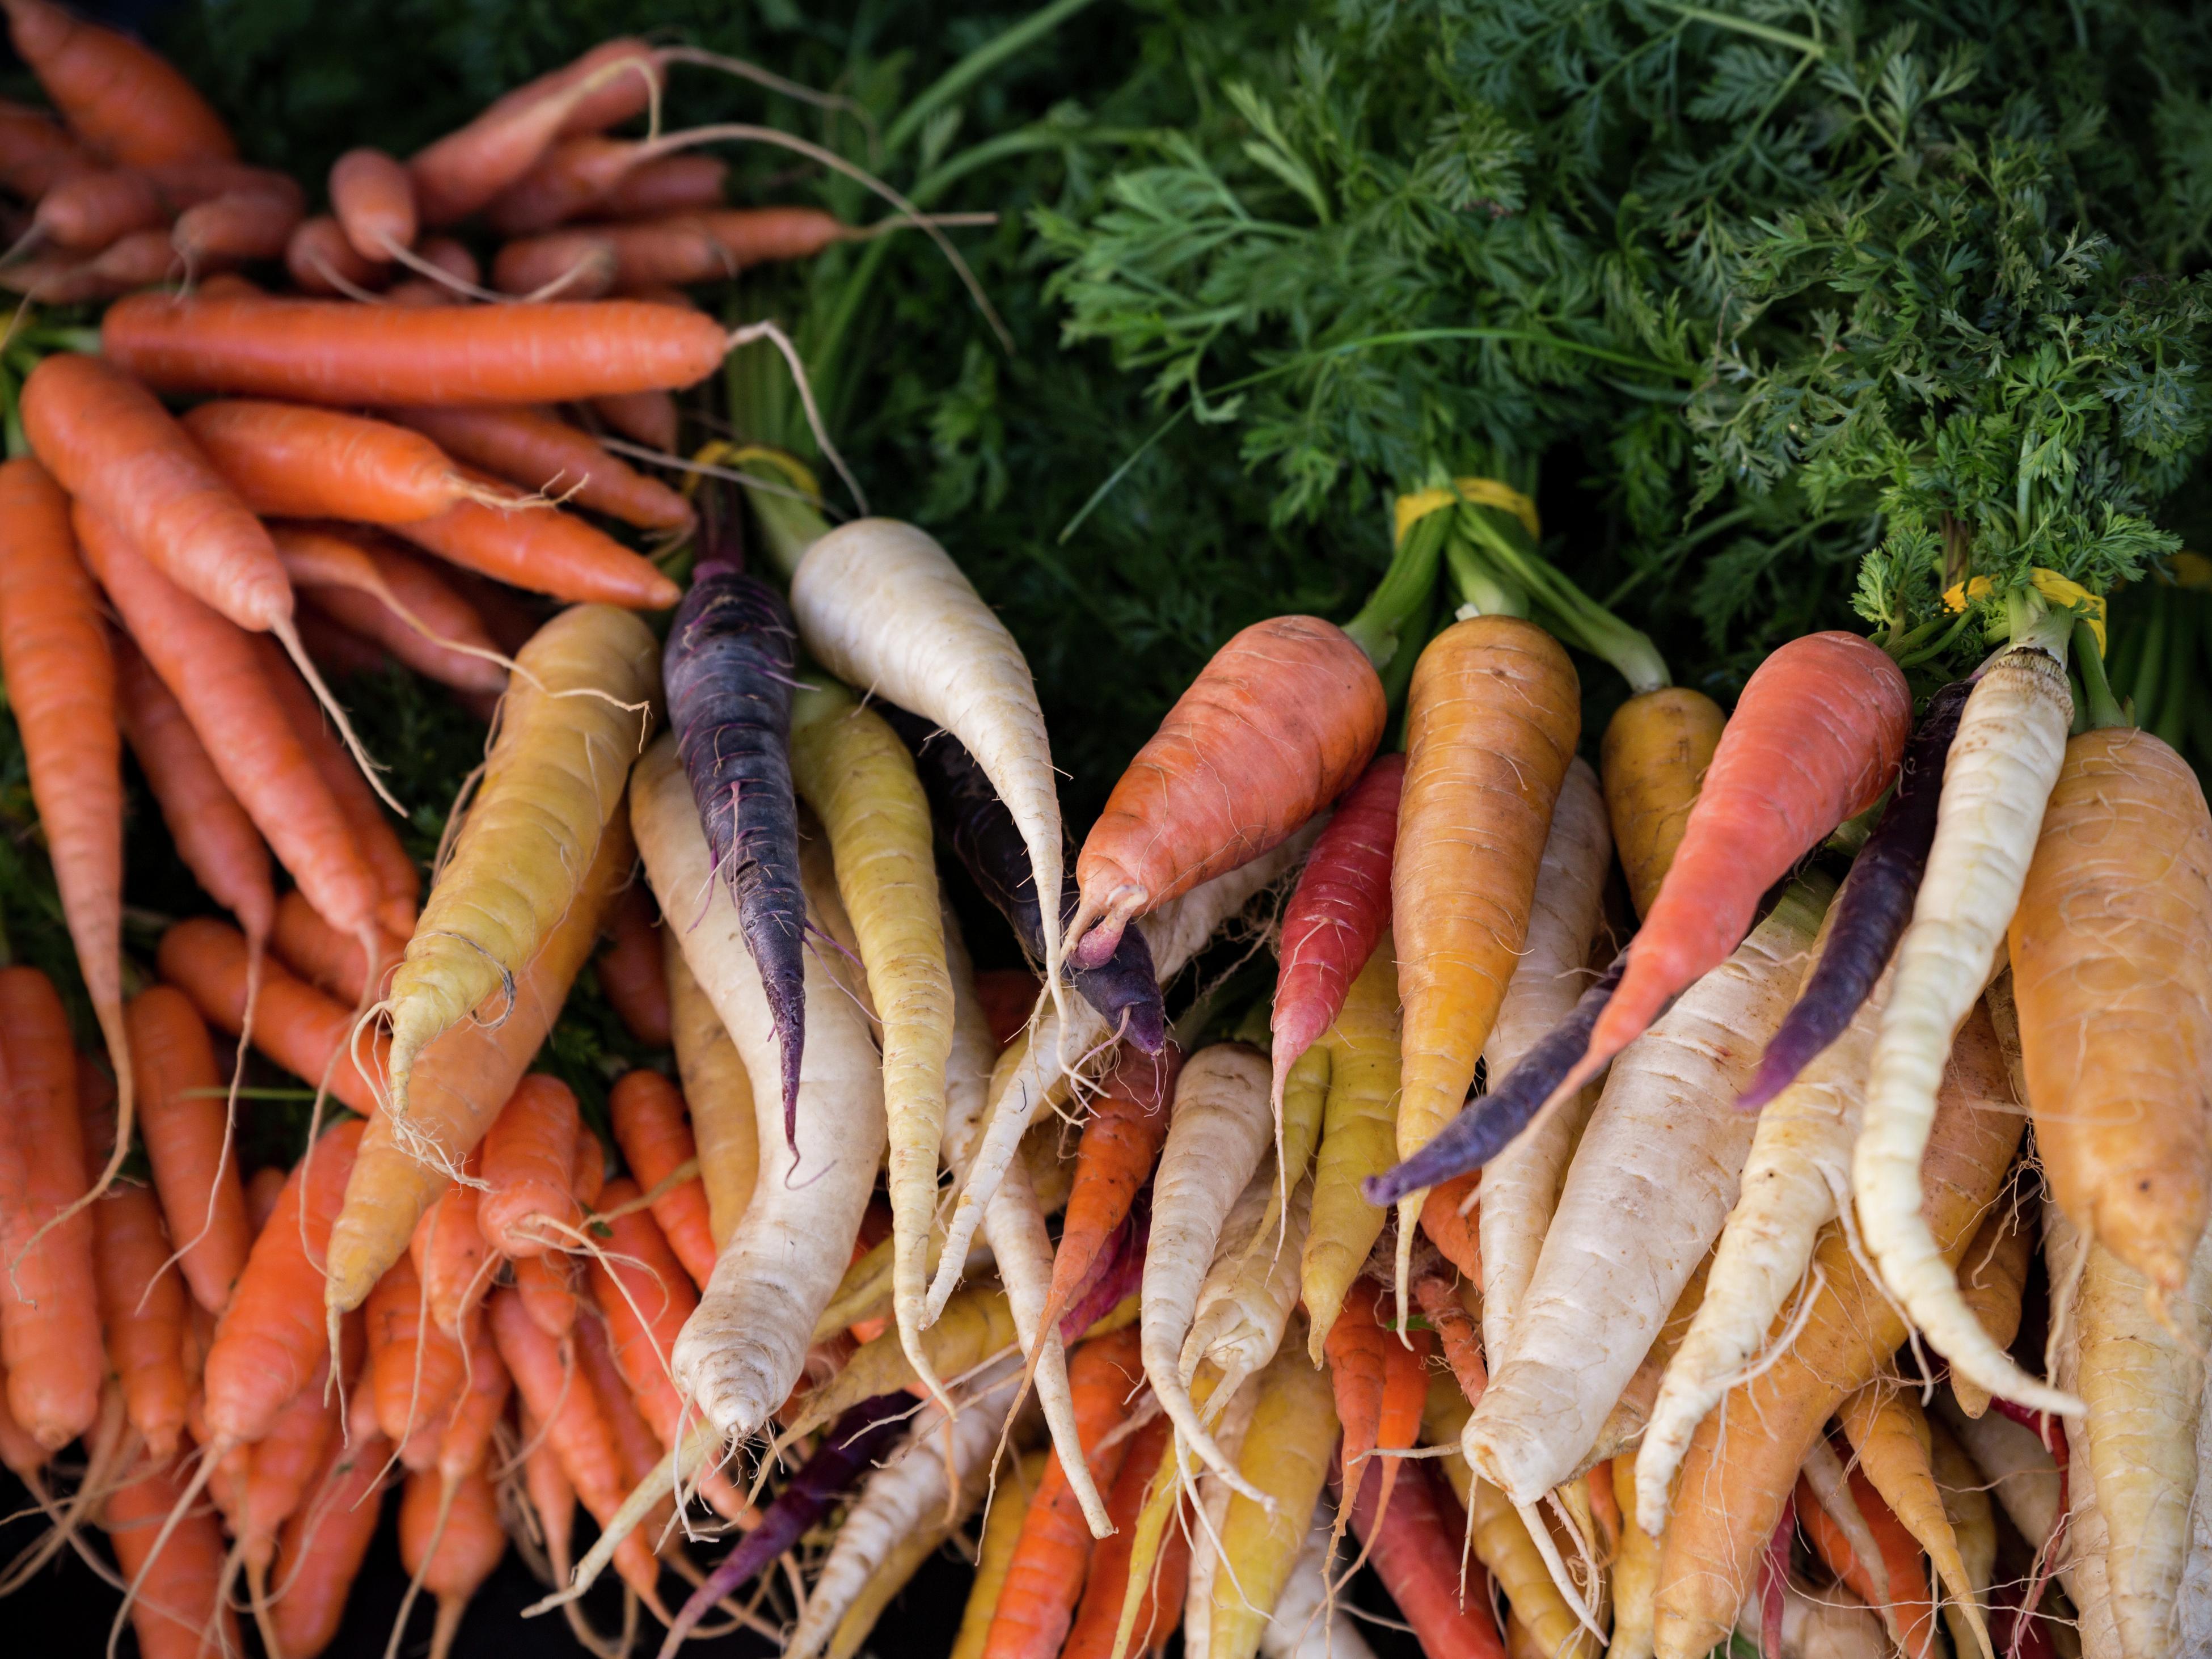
(1002, 1530)
(1891, 1436)
(1287, 1456)
(718, 1092)
(1356, 1139)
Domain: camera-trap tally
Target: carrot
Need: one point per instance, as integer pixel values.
(573, 175)
(239, 227)
(1744, 1457)
(450, 1539)
(1337, 912)
(575, 1427)
(464, 170)
(187, 1131)
(61, 686)
(125, 101)
(741, 1353)
(1002, 1530)
(318, 953)
(49, 1304)
(1291, 709)
(262, 1188)
(1848, 1550)
(1122, 1141)
(1411, 1546)
(683, 248)
(323, 1545)
(852, 769)
(529, 1169)
(278, 1470)
(536, 450)
(668, 183)
(449, 1254)
(37, 152)
(650, 418)
(553, 780)
(882, 605)
(1380, 1385)
(373, 196)
(1909, 1591)
(269, 1340)
(1355, 1138)
(630, 971)
(718, 1092)
(90, 208)
(2111, 951)
(1653, 758)
(546, 552)
(321, 259)
(655, 1138)
(641, 1290)
(1492, 715)
(365, 582)
(1816, 738)
(1645, 1196)
(1044, 1575)
(180, 1612)
(1896, 1456)
(1992, 1278)
(141, 1303)
(321, 351)
(296, 1025)
(414, 1367)
(1106, 1585)
(215, 674)
(296, 461)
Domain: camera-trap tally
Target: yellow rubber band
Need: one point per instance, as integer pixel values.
(2192, 570)
(720, 452)
(2065, 594)
(1477, 492)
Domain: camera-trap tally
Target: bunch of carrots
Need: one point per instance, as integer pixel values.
(1751, 1192)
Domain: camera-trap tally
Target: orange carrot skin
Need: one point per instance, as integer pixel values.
(324, 1544)
(412, 583)
(215, 838)
(36, 151)
(272, 1335)
(373, 197)
(550, 1495)
(530, 1168)
(1455, 1332)
(414, 1368)
(573, 176)
(1045, 1577)
(1414, 1548)
(181, 1121)
(1450, 1230)
(641, 1290)
(650, 418)
(49, 1302)
(122, 456)
(535, 449)
(655, 1137)
(318, 256)
(671, 184)
(285, 1459)
(297, 461)
(632, 975)
(547, 552)
(479, 1409)
(1098, 1617)
(1833, 1546)
(1354, 1348)
(1122, 1141)
(1815, 738)
(142, 1310)
(336, 352)
(60, 677)
(330, 961)
(448, 1251)
(1287, 713)
(294, 1024)
(473, 1539)
(87, 210)
(262, 1188)
(237, 227)
(211, 669)
(1902, 1560)
(675, 251)
(129, 103)
(637, 1449)
(179, 1602)
(547, 1287)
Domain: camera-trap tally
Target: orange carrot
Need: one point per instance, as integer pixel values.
(61, 686)
(551, 1497)
(669, 183)
(449, 1253)
(1456, 1330)
(183, 1120)
(365, 582)
(1045, 1577)
(632, 974)
(450, 1535)
(1120, 1143)
(529, 1168)
(49, 1305)
(297, 461)
(215, 674)
(678, 250)
(237, 227)
(127, 102)
(294, 1024)
(575, 1428)
(642, 1291)
(373, 197)
(321, 260)
(571, 177)
(262, 1189)
(142, 1301)
(655, 1138)
(1417, 1552)
(1381, 1383)
(1815, 738)
(323, 1545)
(450, 256)
(1097, 1619)
(271, 1336)
(326, 959)
(283, 1461)
(547, 1286)
(479, 1410)
(636, 1447)
(1289, 711)
(1909, 1592)
(547, 552)
(537, 449)
(1452, 1227)
(90, 208)
(36, 151)
(414, 1367)
(215, 838)
(650, 418)
(336, 352)
(178, 1612)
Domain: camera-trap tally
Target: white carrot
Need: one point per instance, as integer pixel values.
(2015, 1465)
(1522, 1183)
(1973, 1523)
(1649, 1186)
(2193, 1605)
(2143, 1379)
(2011, 740)
(1245, 1306)
(1794, 1183)
(744, 1346)
(1234, 1417)
(885, 609)
(2084, 1547)
(1222, 1126)
(1823, 1623)
(1308, 1622)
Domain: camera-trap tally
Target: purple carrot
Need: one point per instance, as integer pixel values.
(730, 665)
(1487, 1126)
(1119, 1270)
(987, 843)
(1872, 910)
(852, 1442)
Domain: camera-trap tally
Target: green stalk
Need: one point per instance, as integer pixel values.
(975, 66)
(789, 525)
(1483, 587)
(1504, 542)
(1404, 589)
(2104, 710)
(2030, 622)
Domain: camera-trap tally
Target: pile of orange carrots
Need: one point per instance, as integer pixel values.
(1450, 1256)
